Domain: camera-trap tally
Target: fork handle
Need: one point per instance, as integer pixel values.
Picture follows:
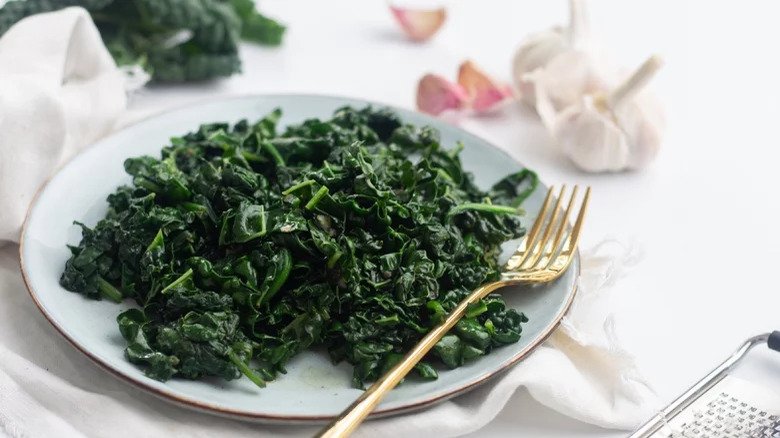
(343, 425)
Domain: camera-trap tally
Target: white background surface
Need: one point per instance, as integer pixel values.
(704, 212)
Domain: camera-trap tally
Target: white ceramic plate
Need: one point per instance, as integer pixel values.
(313, 390)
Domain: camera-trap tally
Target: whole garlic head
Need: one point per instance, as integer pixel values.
(542, 48)
(609, 132)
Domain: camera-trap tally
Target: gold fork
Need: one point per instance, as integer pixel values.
(542, 256)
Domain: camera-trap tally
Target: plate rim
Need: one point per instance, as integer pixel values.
(257, 416)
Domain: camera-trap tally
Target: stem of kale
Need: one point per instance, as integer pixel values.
(274, 153)
(108, 290)
(245, 370)
(488, 208)
(316, 198)
(148, 185)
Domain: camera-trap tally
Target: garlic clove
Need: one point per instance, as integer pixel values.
(484, 91)
(591, 139)
(436, 95)
(419, 24)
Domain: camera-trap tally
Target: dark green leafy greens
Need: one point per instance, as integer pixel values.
(175, 40)
(244, 247)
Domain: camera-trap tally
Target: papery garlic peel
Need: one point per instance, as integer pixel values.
(419, 24)
(614, 131)
(436, 95)
(484, 92)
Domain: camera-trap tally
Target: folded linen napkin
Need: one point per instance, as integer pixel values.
(59, 90)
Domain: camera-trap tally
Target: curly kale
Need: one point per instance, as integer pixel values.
(175, 40)
(244, 247)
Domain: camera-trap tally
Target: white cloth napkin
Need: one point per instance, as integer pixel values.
(59, 90)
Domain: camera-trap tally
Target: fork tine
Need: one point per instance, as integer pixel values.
(556, 246)
(556, 265)
(530, 239)
(540, 217)
(574, 236)
(575, 231)
(537, 250)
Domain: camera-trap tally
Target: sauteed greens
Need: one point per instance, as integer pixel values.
(244, 246)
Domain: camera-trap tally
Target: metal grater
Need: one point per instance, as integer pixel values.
(721, 414)
(721, 405)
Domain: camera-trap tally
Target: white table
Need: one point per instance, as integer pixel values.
(704, 212)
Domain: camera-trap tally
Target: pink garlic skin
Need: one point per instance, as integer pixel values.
(485, 93)
(419, 24)
(436, 95)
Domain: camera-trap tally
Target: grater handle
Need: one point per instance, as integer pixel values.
(774, 340)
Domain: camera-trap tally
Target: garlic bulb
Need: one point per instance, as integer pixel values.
(609, 132)
(565, 59)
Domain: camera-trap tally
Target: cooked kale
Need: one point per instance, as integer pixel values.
(175, 40)
(244, 247)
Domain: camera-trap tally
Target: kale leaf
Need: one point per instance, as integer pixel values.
(243, 247)
(175, 40)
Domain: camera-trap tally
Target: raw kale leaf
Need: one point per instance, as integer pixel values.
(175, 40)
(243, 246)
